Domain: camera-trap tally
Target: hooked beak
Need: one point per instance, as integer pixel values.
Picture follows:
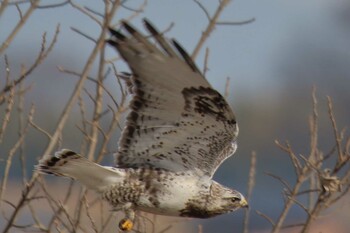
(244, 203)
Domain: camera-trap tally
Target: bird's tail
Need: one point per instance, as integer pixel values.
(67, 163)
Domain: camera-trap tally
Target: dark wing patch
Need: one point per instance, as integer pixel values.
(177, 121)
(207, 101)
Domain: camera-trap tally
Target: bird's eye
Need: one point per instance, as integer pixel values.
(235, 199)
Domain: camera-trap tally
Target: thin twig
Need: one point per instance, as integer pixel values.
(206, 58)
(86, 12)
(19, 25)
(138, 11)
(55, 5)
(7, 115)
(3, 6)
(93, 224)
(335, 129)
(293, 157)
(204, 9)
(21, 123)
(227, 87)
(98, 100)
(251, 183)
(284, 182)
(210, 27)
(83, 34)
(94, 11)
(265, 217)
(19, 12)
(12, 152)
(40, 58)
(237, 23)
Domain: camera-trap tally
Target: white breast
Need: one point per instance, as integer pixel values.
(172, 195)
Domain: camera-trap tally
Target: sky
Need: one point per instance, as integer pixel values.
(272, 64)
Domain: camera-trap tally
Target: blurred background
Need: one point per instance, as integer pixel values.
(272, 64)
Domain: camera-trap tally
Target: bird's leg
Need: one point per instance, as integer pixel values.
(127, 223)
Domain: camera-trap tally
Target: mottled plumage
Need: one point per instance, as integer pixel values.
(178, 132)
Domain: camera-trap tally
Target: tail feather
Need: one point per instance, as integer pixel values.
(68, 163)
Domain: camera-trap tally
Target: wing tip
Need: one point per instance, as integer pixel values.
(117, 34)
(150, 27)
(118, 37)
(128, 27)
(186, 57)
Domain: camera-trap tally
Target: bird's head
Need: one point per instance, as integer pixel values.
(226, 199)
(214, 200)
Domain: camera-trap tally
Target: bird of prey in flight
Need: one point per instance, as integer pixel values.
(178, 132)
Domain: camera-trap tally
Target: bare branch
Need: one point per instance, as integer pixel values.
(3, 6)
(12, 152)
(211, 26)
(293, 225)
(231, 23)
(265, 217)
(19, 12)
(227, 88)
(204, 9)
(338, 137)
(54, 5)
(93, 224)
(301, 205)
(293, 157)
(251, 183)
(64, 116)
(206, 58)
(19, 25)
(86, 12)
(7, 115)
(285, 183)
(40, 58)
(94, 11)
(314, 157)
(83, 34)
(137, 12)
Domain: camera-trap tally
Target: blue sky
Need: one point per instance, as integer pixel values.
(272, 62)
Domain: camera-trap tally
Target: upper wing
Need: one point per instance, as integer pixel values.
(177, 121)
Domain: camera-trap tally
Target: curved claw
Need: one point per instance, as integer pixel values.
(126, 224)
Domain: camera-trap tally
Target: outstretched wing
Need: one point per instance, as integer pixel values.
(177, 122)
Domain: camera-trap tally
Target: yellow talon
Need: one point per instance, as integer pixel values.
(125, 224)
